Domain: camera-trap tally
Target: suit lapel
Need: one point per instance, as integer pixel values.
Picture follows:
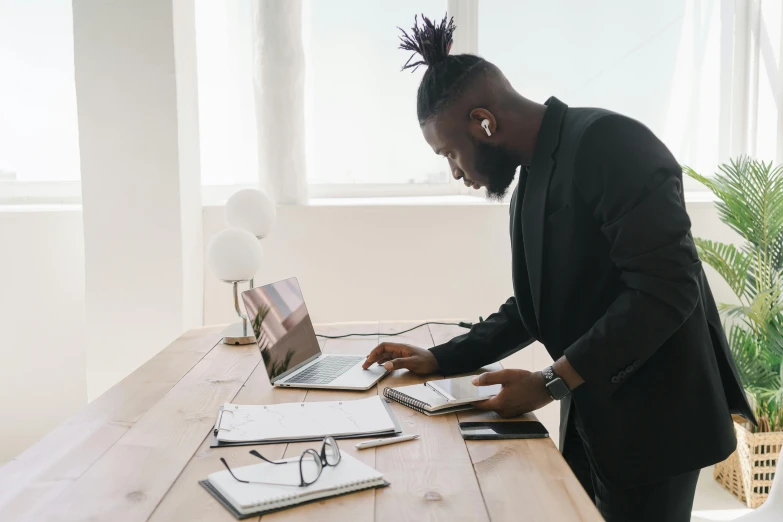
(534, 202)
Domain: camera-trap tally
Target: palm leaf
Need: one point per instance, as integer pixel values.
(759, 313)
(750, 201)
(732, 310)
(745, 349)
(775, 337)
(731, 263)
(765, 307)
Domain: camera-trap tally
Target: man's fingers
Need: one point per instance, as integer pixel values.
(379, 352)
(489, 404)
(375, 355)
(385, 351)
(486, 379)
(401, 362)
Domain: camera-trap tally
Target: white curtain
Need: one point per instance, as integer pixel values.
(757, 122)
(279, 69)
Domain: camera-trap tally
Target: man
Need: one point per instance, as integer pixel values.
(605, 275)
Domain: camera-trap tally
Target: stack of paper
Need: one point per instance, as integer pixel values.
(301, 421)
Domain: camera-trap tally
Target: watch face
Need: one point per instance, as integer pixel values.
(558, 389)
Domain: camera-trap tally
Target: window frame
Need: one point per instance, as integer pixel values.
(15, 192)
(211, 194)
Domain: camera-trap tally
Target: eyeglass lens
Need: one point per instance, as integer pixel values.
(331, 452)
(310, 467)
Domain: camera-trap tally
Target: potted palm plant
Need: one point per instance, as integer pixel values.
(750, 202)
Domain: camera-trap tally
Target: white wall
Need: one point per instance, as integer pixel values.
(42, 328)
(362, 263)
(371, 262)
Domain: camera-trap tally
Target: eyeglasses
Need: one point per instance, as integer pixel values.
(311, 464)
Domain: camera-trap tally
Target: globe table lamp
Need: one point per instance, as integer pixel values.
(234, 255)
(251, 210)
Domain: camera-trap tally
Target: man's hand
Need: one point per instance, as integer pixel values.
(522, 392)
(394, 356)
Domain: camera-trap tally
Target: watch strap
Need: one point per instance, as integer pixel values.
(555, 385)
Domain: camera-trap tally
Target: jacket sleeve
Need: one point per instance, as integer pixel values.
(633, 187)
(500, 335)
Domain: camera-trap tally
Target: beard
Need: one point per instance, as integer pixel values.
(497, 166)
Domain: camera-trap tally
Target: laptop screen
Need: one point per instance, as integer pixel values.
(282, 326)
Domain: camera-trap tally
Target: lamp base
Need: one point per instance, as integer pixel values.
(236, 334)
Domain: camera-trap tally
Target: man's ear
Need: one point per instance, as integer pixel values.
(479, 131)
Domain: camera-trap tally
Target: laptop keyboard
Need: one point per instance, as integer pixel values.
(324, 371)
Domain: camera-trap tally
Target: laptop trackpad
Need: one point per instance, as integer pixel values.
(357, 377)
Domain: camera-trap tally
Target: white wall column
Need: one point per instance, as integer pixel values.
(138, 136)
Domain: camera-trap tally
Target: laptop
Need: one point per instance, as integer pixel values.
(289, 348)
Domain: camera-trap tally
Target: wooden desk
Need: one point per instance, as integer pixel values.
(137, 452)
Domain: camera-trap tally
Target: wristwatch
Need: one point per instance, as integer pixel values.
(556, 386)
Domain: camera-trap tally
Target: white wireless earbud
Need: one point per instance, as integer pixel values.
(485, 126)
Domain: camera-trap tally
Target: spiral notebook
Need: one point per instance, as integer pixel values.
(423, 399)
(249, 500)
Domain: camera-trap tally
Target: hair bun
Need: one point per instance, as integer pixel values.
(431, 42)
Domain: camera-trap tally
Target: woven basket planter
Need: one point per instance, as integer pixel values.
(748, 472)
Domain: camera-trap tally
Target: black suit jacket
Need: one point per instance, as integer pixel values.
(605, 272)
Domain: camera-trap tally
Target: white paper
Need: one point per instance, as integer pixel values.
(462, 390)
(302, 420)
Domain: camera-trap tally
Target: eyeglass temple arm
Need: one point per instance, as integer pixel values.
(257, 454)
(256, 481)
(232, 473)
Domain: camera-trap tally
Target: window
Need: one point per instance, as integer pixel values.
(39, 138)
(657, 62)
(702, 74)
(227, 120)
(361, 109)
(769, 127)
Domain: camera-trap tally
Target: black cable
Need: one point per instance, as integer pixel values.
(463, 324)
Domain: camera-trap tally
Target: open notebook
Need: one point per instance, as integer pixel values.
(423, 399)
(302, 421)
(246, 500)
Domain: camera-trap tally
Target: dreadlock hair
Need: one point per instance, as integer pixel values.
(447, 75)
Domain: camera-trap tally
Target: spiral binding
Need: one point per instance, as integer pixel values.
(285, 498)
(407, 400)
